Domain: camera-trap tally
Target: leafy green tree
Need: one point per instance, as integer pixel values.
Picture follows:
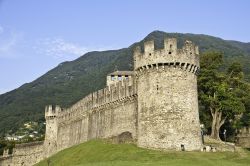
(216, 92)
(241, 89)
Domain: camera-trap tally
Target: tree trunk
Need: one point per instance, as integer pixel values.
(216, 123)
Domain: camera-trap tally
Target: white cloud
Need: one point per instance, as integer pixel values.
(59, 48)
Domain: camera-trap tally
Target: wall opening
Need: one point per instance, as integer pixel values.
(182, 147)
(191, 67)
(182, 64)
(125, 137)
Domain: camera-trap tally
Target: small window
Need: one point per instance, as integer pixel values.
(170, 46)
(169, 52)
(149, 54)
(157, 87)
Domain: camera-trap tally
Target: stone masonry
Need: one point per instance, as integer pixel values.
(156, 105)
(243, 137)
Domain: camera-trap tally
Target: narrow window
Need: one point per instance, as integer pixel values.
(157, 87)
(170, 46)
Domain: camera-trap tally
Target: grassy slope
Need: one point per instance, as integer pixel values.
(71, 81)
(97, 152)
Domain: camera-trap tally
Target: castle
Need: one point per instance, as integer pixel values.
(156, 106)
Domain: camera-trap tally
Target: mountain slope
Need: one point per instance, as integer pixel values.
(70, 81)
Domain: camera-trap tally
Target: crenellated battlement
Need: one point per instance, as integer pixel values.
(52, 111)
(115, 92)
(186, 58)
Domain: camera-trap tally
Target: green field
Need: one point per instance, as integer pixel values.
(101, 153)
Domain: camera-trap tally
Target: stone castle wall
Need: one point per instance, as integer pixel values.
(105, 113)
(243, 137)
(24, 154)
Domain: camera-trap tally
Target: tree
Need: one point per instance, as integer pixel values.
(216, 93)
(241, 89)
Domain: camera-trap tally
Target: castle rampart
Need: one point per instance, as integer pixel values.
(23, 154)
(105, 113)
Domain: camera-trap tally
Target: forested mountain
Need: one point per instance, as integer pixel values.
(71, 81)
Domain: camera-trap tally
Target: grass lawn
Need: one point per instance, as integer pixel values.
(101, 153)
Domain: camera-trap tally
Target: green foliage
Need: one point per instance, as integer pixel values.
(223, 94)
(100, 153)
(71, 81)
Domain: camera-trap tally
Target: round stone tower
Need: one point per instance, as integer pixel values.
(168, 116)
(50, 142)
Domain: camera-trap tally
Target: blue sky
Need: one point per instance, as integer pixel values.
(37, 35)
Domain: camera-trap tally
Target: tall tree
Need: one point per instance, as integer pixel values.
(216, 93)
